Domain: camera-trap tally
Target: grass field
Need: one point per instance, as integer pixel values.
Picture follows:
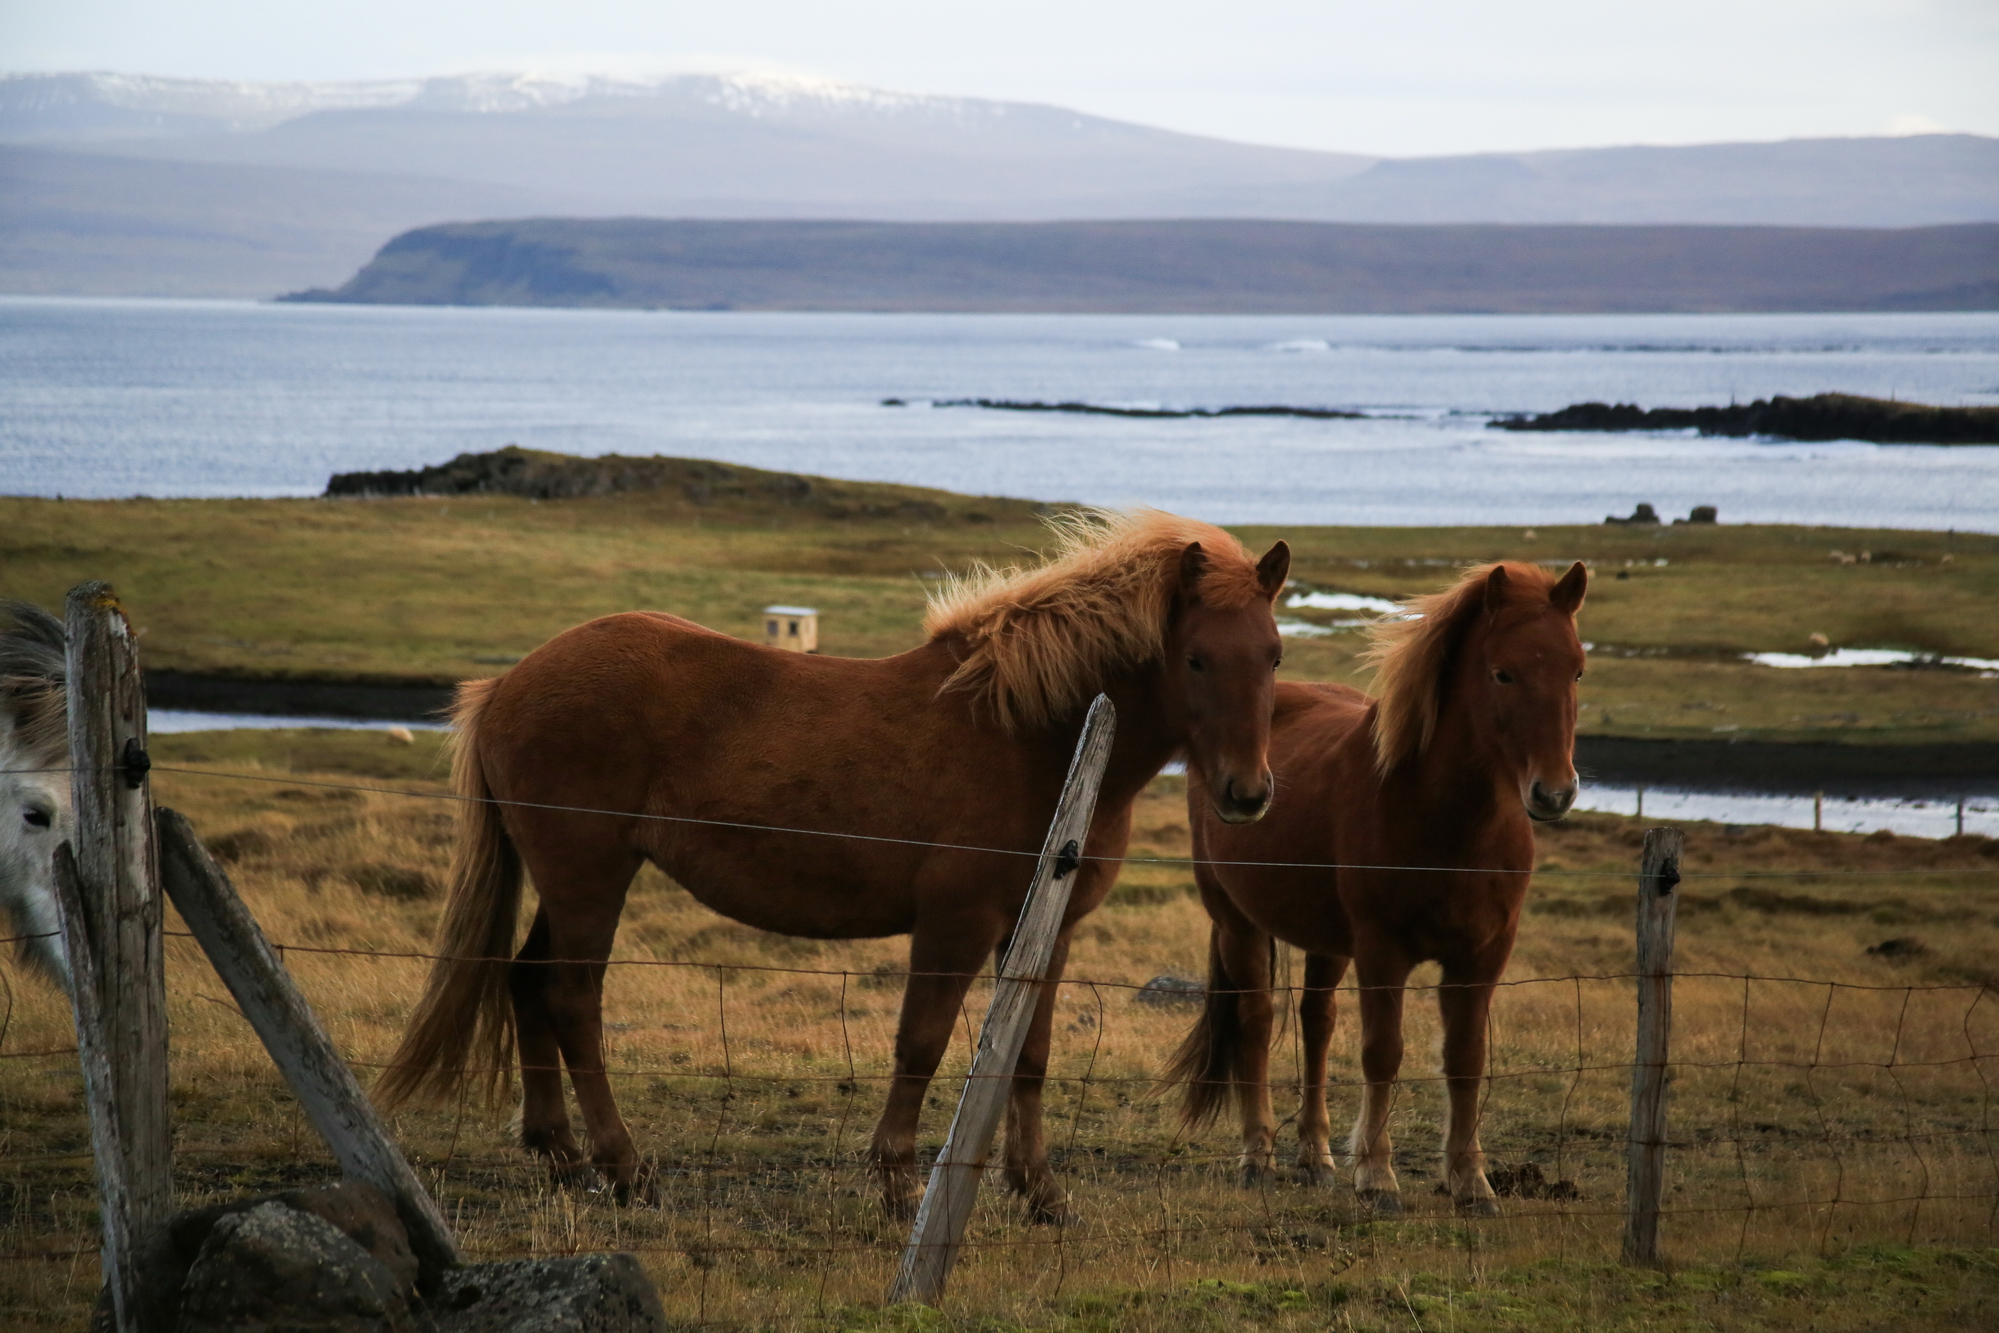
(439, 589)
(1858, 1118)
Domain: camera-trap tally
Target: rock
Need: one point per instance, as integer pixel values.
(1644, 513)
(274, 1269)
(595, 1293)
(368, 1218)
(1701, 514)
(1169, 992)
(1902, 946)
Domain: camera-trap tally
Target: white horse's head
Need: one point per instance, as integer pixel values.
(36, 815)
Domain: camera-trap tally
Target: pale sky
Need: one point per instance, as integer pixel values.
(1414, 77)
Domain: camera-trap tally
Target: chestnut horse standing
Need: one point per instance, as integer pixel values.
(646, 737)
(1471, 739)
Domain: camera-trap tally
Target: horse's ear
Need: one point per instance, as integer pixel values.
(1568, 594)
(1193, 564)
(1273, 569)
(1495, 590)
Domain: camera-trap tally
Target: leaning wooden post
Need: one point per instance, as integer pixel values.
(954, 1180)
(1645, 1147)
(111, 929)
(320, 1079)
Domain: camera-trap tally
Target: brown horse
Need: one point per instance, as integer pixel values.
(646, 737)
(1471, 739)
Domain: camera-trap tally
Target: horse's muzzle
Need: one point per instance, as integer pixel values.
(1546, 804)
(1242, 803)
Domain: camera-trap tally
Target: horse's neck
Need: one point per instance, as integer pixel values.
(1145, 740)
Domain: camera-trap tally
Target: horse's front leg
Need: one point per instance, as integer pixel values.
(1026, 1151)
(1381, 982)
(1315, 1022)
(1465, 1002)
(943, 957)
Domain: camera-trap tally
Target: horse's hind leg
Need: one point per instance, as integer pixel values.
(1465, 1002)
(1315, 1021)
(545, 1128)
(1381, 982)
(1026, 1151)
(943, 957)
(582, 895)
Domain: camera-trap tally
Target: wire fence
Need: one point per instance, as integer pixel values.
(1804, 1110)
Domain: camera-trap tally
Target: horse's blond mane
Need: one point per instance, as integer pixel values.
(1040, 640)
(1410, 654)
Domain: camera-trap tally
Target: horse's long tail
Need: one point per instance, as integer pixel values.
(463, 1028)
(1209, 1062)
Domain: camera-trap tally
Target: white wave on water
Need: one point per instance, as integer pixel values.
(1158, 344)
(1300, 345)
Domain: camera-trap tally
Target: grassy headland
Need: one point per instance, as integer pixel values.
(434, 589)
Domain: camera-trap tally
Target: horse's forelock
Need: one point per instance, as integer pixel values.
(1039, 640)
(1411, 655)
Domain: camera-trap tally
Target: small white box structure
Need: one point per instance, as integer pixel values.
(792, 628)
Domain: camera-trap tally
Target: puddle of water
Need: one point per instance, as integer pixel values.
(165, 720)
(1305, 629)
(1857, 657)
(1922, 818)
(1341, 601)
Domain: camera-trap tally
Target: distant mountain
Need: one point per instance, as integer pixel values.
(1214, 266)
(400, 154)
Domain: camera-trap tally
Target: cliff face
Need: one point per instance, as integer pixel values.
(1825, 416)
(1179, 266)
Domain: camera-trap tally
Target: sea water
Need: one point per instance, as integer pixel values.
(181, 398)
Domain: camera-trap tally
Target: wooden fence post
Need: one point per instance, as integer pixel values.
(111, 929)
(1645, 1146)
(321, 1080)
(954, 1180)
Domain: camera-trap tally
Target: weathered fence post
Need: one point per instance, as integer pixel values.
(111, 929)
(1645, 1147)
(954, 1180)
(320, 1079)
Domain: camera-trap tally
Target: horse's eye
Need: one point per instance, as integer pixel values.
(1502, 677)
(39, 818)
(1196, 664)
(1278, 663)
(1579, 675)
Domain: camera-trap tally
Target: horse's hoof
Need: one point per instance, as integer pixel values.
(1485, 1207)
(1382, 1203)
(1255, 1175)
(641, 1191)
(1315, 1174)
(1056, 1214)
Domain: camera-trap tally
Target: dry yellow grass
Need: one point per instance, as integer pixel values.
(752, 1066)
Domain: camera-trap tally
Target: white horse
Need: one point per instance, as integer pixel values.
(35, 810)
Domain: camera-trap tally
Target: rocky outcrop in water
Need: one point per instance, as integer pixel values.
(536, 475)
(1825, 416)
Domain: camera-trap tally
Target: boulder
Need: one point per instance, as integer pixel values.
(592, 1293)
(275, 1269)
(1169, 992)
